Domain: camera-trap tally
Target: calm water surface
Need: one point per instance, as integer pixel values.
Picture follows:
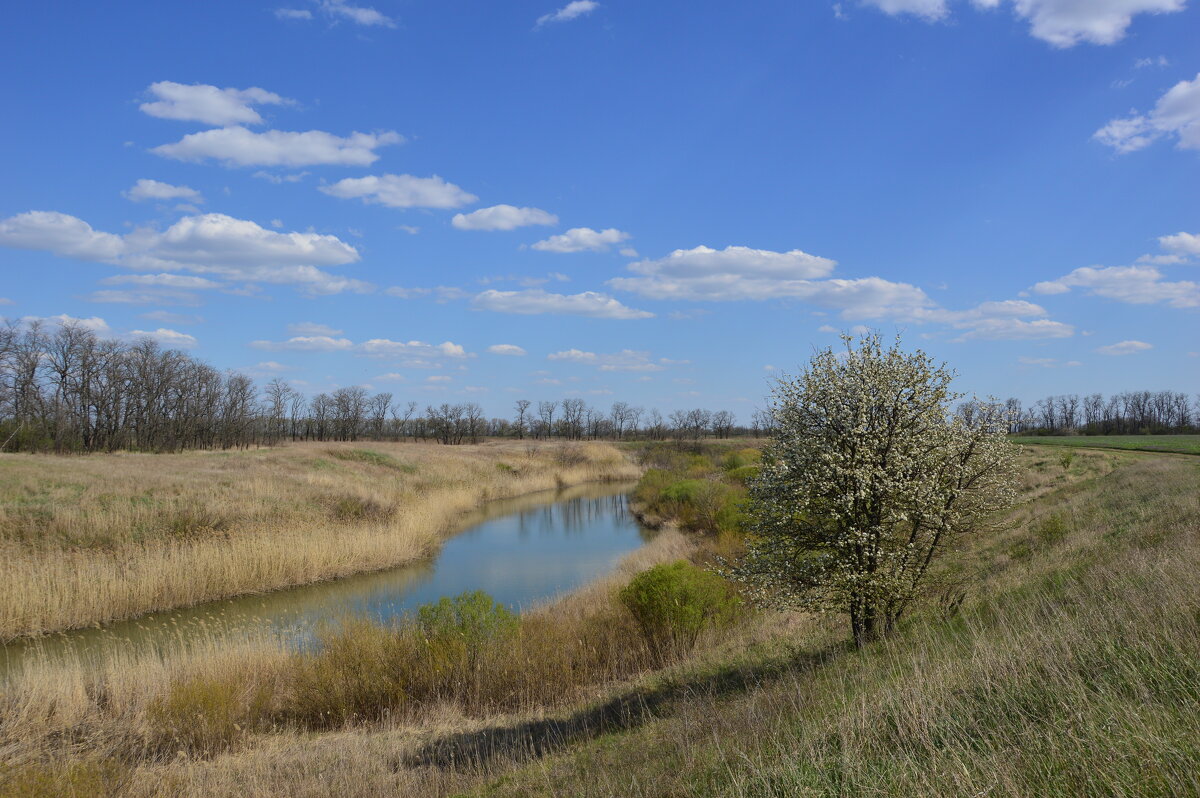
(521, 551)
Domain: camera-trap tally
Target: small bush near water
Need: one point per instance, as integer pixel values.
(673, 604)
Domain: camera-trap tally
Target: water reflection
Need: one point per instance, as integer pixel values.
(521, 551)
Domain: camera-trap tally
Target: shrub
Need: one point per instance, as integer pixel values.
(741, 458)
(1065, 458)
(473, 617)
(205, 715)
(1050, 529)
(743, 474)
(356, 673)
(673, 604)
(357, 508)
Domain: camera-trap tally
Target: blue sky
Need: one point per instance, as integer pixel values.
(663, 203)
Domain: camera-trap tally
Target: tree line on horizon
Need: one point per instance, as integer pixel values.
(69, 390)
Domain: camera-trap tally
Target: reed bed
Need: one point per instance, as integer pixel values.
(89, 540)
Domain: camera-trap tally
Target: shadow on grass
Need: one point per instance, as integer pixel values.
(523, 741)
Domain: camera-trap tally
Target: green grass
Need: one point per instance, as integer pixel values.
(1178, 444)
(371, 457)
(1072, 669)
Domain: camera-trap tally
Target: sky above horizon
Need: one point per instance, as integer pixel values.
(667, 204)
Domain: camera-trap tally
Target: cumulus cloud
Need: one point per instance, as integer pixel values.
(1124, 348)
(581, 239)
(572, 10)
(61, 234)
(293, 13)
(212, 244)
(506, 349)
(1175, 115)
(1181, 243)
(401, 191)
(742, 273)
(153, 189)
(202, 103)
(94, 323)
(1062, 23)
(503, 217)
(536, 301)
(1137, 285)
(624, 360)
(168, 338)
(238, 146)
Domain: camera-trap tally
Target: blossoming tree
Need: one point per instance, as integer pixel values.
(868, 478)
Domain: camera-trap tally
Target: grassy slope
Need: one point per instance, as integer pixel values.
(98, 538)
(1180, 444)
(1073, 669)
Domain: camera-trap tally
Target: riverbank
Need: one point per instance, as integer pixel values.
(1075, 628)
(88, 540)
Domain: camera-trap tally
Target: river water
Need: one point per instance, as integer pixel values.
(522, 551)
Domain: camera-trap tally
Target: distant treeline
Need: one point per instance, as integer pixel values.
(68, 390)
(1128, 413)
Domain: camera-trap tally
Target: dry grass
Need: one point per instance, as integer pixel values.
(93, 539)
(1069, 668)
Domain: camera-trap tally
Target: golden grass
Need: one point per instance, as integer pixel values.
(93, 539)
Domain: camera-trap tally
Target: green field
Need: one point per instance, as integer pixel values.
(1179, 444)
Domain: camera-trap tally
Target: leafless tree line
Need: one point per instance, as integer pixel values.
(65, 389)
(1127, 413)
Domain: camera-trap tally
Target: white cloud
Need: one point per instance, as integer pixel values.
(153, 189)
(1183, 243)
(94, 323)
(401, 191)
(307, 343)
(506, 349)
(311, 328)
(181, 281)
(572, 10)
(442, 378)
(1142, 63)
(386, 348)
(213, 244)
(360, 15)
(625, 360)
(208, 104)
(535, 301)
(580, 239)
(238, 146)
(1124, 348)
(293, 13)
(729, 274)
(741, 273)
(6, 301)
(169, 338)
(1062, 23)
(926, 9)
(1136, 285)
(1176, 114)
(61, 234)
(503, 217)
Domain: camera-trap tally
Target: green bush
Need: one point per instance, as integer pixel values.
(743, 474)
(741, 458)
(673, 604)
(473, 617)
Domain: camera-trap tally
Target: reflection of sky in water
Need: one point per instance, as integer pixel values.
(521, 551)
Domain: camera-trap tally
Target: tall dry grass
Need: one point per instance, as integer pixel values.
(1070, 668)
(88, 540)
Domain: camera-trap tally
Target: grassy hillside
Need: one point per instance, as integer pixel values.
(1059, 657)
(1180, 444)
(91, 539)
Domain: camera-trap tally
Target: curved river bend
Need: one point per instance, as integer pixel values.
(522, 551)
